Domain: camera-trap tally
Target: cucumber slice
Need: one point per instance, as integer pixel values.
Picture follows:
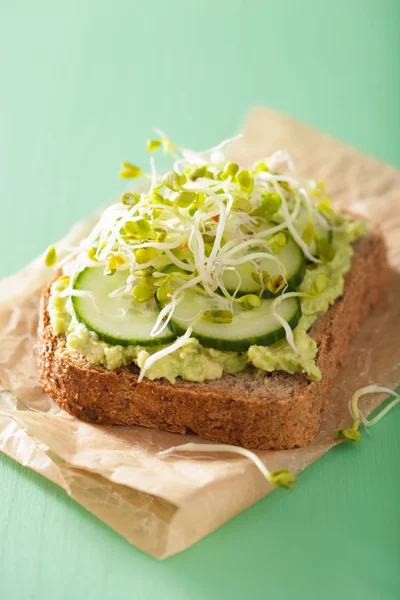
(173, 269)
(253, 327)
(321, 231)
(300, 223)
(118, 320)
(291, 257)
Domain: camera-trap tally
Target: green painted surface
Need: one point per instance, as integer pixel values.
(82, 84)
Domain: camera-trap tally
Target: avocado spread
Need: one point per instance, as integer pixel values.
(192, 361)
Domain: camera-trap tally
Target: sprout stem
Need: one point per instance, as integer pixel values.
(353, 434)
(279, 477)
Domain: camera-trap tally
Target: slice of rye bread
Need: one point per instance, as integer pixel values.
(251, 409)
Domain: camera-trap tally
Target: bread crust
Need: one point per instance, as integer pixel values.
(250, 409)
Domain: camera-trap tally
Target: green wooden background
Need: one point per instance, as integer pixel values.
(81, 85)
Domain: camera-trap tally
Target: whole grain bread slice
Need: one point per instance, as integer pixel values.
(251, 409)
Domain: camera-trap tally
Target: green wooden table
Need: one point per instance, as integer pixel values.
(82, 84)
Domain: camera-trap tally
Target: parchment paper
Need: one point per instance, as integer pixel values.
(164, 505)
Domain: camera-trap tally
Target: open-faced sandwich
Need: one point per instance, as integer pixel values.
(221, 302)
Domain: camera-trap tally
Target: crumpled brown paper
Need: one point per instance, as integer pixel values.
(165, 505)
